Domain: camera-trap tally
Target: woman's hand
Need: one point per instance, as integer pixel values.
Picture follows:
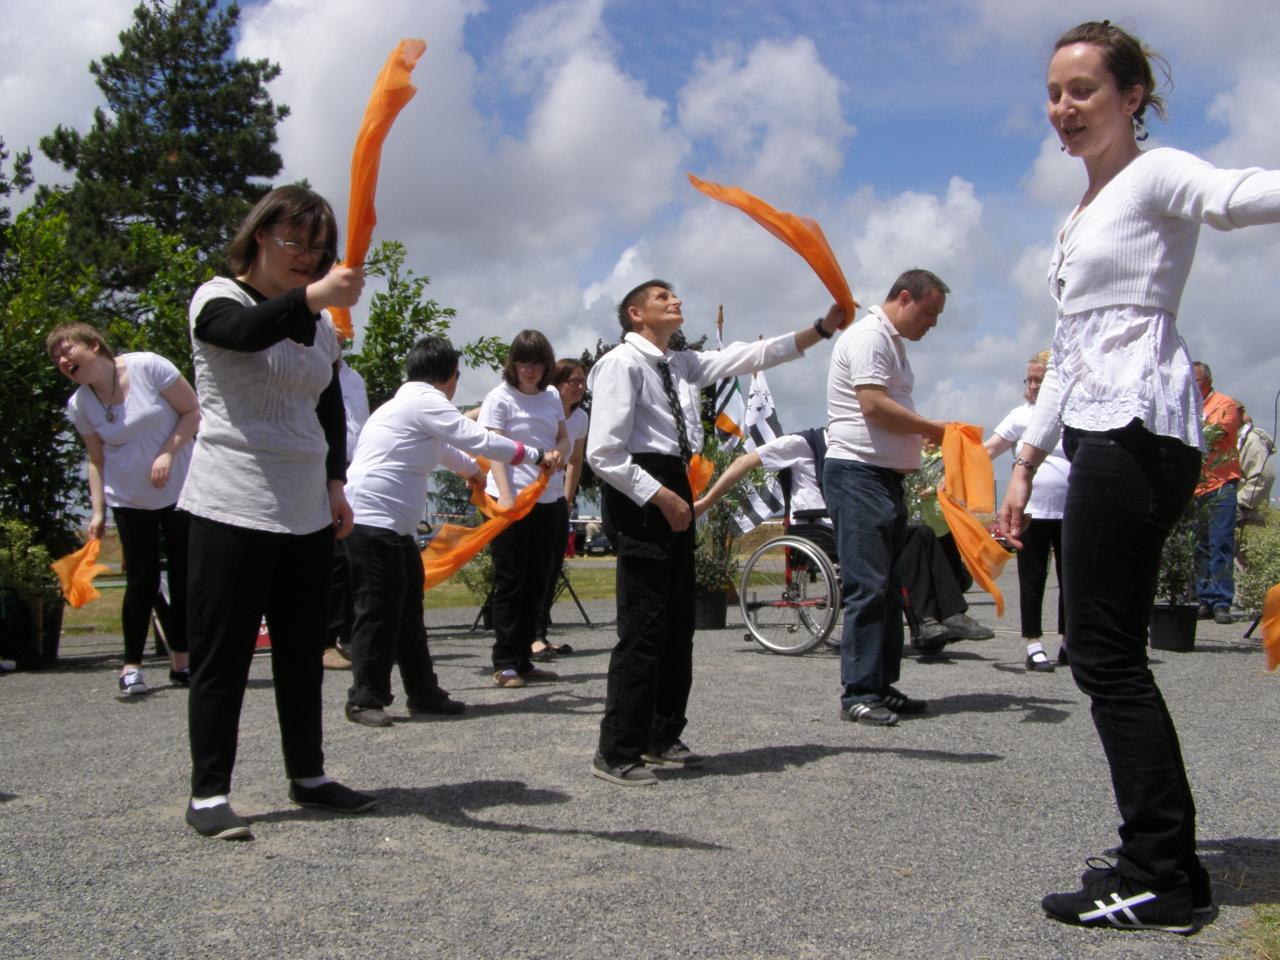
(552, 461)
(1013, 518)
(340, 287)
(160, 470)
(97, 526)
(340, 510)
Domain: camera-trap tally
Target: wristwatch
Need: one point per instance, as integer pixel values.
(823, 332)
(1023, 461)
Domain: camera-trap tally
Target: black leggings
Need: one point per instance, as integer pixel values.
(140, 532)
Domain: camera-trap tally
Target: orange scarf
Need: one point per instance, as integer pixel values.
(969, 486)
(391, 91)
(1271, 626)
(801, 234)
(76, 572)
(454, 545)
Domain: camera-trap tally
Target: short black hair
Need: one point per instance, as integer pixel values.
(634, 299)
(918, 283)
(529, 346)
(431, 360)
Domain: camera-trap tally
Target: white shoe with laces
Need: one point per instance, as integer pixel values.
(132, 684)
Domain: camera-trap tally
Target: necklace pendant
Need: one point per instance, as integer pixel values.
(111, 415)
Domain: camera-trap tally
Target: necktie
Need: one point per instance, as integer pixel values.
(682, 431)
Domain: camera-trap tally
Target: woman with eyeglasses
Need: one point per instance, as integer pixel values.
(1043, 534)
(570, 381)
(525, 407)
(265, 494)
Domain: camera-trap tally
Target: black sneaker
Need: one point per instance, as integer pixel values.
(219, 823)
(873, 712)
(964, 627)
(1201, 888)
(180, 678)
(367, 716)
(931, 631)
(331, 796)
(676, 755)
(1110, 899)
(438, 702)
(900, 703)
(623, 774)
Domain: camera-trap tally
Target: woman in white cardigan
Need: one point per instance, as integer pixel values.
(1120, 388)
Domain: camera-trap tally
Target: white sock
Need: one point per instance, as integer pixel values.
(310, 783)
(204, 803)
(1034, 647)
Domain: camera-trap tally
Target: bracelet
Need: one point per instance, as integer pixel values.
(1023, 462)
(823, 332)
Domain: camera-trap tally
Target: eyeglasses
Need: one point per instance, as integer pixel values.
(577, 382)
(295, 249)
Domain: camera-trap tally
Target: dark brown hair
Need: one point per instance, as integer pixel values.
(918, 283)
(564, 370)
(1126, 59)
(296, 206)
(529, 346)
(78, 333)
(638, 297)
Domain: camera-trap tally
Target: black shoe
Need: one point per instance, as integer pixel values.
(930, 631)
(331, 796)
(545, 655)
(1204, 612)
(219, 823)
(1039, 662)
(873, 712)
(1110, 899)
(368, 716)
(1223, 615)
(1201, 888)
(964, 627)
(439, 702)
(900, 703)
(676, 755)
(623, 774)
(1062, 656)
(180, 678)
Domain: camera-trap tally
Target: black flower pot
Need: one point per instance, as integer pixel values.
(710, 610)
(1173, 628)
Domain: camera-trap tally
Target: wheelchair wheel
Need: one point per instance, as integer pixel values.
(789, 595)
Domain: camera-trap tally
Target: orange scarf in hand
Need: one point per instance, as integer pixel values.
(454, 545)
(76, 572)
(969, 487)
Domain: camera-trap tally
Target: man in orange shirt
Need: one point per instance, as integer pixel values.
(1216, 501)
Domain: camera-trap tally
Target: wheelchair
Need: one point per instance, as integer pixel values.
(789, 593)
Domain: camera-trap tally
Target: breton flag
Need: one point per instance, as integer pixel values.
(761, 426)
(731, 409)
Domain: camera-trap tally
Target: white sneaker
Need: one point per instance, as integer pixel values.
(8, 666)
(132, 684)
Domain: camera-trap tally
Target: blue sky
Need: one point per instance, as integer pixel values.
(539, 172)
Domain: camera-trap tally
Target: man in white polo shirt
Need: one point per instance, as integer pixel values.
(873, 440)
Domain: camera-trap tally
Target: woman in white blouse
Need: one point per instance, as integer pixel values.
(137, 415)
(1120, 386)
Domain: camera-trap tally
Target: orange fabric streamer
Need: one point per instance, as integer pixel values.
(454, 545)
(391, 91)
(801, 234)
(969, 486)
(700, 472)
(1271, 626)
(76, 572)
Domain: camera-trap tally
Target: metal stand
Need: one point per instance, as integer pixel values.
(561, 586)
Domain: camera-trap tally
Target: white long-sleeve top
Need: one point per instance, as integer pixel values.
(1117, 274)
(410, 435)
(630, 413)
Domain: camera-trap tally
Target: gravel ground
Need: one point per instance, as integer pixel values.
(804, 836)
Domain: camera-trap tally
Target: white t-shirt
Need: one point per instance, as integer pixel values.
(529, 418)
(575, 428)
(131, 442)
(1049, 491)
(869, 352)
(792, 451)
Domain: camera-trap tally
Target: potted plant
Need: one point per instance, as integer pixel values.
(30, 599)
(1173, 618)
(715, 561)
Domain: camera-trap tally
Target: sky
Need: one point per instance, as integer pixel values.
(539, 173)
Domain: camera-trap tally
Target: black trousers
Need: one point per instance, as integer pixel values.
(140, 532)
(651, 668)
(1040, 537)
(341, 603)
(386, 586)
(557, 564)
(523, 555)
(925, 571)
(237, 576)
(1127, 488)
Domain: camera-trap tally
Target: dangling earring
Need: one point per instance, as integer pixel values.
(1062, 147)
(1140, 131)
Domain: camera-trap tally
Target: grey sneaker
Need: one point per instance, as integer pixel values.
(873, 712)
(219, 822)
(623, 774)
(676, 755)
(964, 627)
(930, 631)
(368, 716)
(131, 683)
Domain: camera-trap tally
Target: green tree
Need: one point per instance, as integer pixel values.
(17, 181)
(400, 316)
(185, 143)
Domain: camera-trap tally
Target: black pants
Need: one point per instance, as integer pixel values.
(386, 587)
(557, 564)
(236, 576)
(522, 562)
(1040, 537)
(925, 572)
(1127, 488)
(651, 668)
(341, 603)
(140, 532)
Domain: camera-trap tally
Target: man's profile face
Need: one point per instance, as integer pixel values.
(918, 317)
(659, 313)
(1203, 382)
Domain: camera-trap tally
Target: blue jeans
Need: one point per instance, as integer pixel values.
(1215, 547)
(870, 520)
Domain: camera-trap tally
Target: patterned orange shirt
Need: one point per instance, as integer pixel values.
(1222, 462)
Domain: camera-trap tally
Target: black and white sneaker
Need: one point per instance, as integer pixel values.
(219, 822)
(1110, 899)
(131, 683)
(626, 774)
(676, 755)
(1201, 888)
(873, 712)
(900, 703)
